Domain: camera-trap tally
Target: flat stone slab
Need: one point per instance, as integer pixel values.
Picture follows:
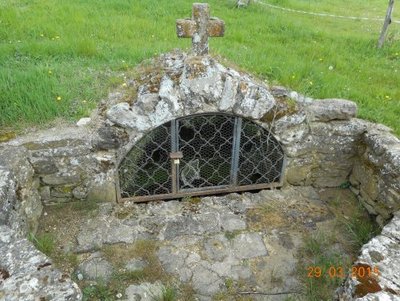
(145, 292)
(205, 281)
(99, 231)
(96, 268)
(332, 109)
(249, 245)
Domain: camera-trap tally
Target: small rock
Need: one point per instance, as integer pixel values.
(242, 3)
(79, 192)
(232, 222)
(108, 138)
(61, 179)
(122, 115)
(83, 121)
(45, 167)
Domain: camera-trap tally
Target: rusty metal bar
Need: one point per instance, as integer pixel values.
(204, 192)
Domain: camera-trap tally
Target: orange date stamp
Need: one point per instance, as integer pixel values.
(339, 272)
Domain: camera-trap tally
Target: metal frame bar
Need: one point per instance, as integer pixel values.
(204, 192)
(174, 148)
(235, 150)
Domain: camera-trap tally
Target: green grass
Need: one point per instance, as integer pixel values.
(335, 251)
(99, 291)
(58, 59)
(45, 243)
(359, 228)
(319, 253)
(168, 294)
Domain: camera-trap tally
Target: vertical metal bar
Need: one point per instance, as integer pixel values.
(237, 129)
(174, 178)
(174, 147)
(174, 138)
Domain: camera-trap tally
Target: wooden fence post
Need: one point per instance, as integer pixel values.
(388, 20)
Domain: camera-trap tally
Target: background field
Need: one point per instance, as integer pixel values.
(59, 58)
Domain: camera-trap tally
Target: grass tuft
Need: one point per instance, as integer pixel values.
(168, 294)
(98, 291)
(45, 243)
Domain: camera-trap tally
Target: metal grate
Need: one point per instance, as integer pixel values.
(146, 169)
(260, 156)
(201, 154)
(206, 144)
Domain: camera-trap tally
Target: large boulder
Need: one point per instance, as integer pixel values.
(27, 274)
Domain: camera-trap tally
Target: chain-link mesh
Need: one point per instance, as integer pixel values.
(206, 143)
(146, 170)
(260, 156)
(219, 150)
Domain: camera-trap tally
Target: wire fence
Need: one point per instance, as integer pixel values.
(322, 14)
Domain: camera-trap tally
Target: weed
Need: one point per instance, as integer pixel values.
(65, 261)
(186, 292)
(230, 235)
(192, 200)
(319, 253)
(359, 230)
(123, 214)
(43, 242)
(336, 202)
(358, 227)
(145, 249)
(119, 255)
(168, 294)
(131, 276)
(275, 279)
(315, 244)
(97, 292)
(221, 296)
(345, 185)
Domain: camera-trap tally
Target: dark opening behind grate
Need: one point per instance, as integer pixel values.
(221, 153)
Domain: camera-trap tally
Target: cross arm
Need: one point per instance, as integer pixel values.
(215, 27)
(185, 28)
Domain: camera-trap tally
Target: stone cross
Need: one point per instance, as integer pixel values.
(200, 27)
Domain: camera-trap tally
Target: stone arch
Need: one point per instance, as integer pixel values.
(183, 85)
(213, 153)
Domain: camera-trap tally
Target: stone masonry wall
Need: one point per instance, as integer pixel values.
(25, 273)
(376, 174)
(20, 203)
(68, 165)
